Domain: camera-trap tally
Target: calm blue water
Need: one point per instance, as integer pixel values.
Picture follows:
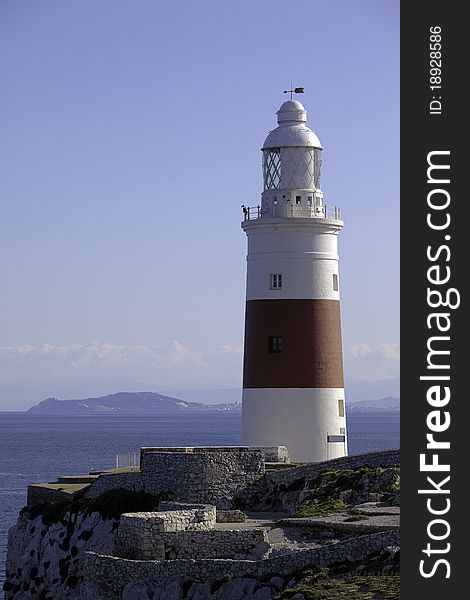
(36, 448)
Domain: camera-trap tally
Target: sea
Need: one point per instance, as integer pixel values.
(38, 448)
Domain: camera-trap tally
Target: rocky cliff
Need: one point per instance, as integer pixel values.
(44, 560)
(47, 545)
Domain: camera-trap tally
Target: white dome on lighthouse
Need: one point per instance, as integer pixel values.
(292, 110)
(292, 129)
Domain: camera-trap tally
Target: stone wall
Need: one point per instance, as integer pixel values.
(274, 453)
(142, 535)
(206, 475)
(110, 574)
(181, 531)
(213, 544)
(230, 516)
(201, 475)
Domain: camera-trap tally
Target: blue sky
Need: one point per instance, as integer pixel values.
(130, 136)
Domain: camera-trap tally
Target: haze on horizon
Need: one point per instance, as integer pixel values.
(130, 138)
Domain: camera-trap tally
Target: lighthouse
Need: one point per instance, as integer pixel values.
(293, 386)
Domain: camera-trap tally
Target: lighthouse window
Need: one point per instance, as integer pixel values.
(272, 168)
(298, 199)
(317, 172)
(276, 281)
(335, 282)
(309, 200)
(275, 343)
(341, 407)
(336, 438)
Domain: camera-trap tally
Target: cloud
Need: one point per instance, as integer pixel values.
(169, 365)
(369, 362)
(379, 351)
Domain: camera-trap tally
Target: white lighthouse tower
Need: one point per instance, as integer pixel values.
(293, 390)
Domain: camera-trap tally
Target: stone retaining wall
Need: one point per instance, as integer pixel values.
(178, 516)
(218, 543)
(230, 516)
(111, 574)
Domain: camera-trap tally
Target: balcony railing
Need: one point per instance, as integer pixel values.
(127, 459)
(252, 213)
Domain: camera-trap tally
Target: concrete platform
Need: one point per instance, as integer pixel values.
(115, 471)
(38, 493)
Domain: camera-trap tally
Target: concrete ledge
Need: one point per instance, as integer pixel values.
(197, 449)
(39, 493)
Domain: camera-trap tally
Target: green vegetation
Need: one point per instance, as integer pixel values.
(109, 505)
(319, 508)
(376, 513)
(326, 490)
(328, 482)
(319, 586)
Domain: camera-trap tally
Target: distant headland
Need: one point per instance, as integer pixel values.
(128, 403)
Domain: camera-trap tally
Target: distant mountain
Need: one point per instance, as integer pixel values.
(389, 403)
(358, 390)
(128, 403)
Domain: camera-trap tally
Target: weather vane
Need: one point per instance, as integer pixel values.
(299, 90)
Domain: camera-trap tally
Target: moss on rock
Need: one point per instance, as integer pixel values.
(320, 586)
(320, 508)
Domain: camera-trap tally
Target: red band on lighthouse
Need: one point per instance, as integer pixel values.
(311, 353)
